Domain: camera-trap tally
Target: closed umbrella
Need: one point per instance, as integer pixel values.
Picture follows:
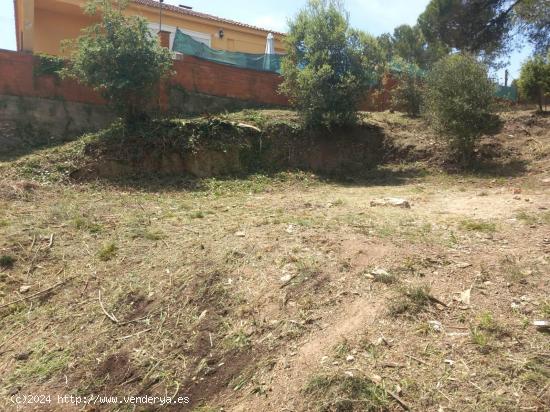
(269, 51)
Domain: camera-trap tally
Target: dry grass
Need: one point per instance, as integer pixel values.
(251, 294)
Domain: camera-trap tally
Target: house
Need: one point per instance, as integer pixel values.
(41, 25)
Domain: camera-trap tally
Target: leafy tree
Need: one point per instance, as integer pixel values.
(533, 19)
(458, 101)
(534, 79)
(409, 44)
(120, 58)
(481, 27)
(486, 27)
(407, 95)
(328, 67)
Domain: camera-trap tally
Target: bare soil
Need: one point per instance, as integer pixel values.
(264, 293)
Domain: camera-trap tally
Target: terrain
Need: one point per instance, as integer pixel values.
(284, 291)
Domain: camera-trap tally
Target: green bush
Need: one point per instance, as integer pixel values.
(329, 66)
(459, 101)
(534, 79)
(407, 94)
(120, 58)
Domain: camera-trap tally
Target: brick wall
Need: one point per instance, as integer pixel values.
(17, 79)
(193, 74)
(196, 75)
(205, 77)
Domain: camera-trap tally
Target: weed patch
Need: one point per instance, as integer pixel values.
(345, 393)
(478, 226)
(107, 252)
(411, 301)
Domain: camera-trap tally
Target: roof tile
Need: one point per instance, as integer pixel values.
(188, 12)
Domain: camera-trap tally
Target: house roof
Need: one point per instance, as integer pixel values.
(188, 12)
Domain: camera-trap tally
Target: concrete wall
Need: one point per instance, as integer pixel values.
(29, 122)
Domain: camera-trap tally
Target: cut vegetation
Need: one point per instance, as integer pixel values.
(282, 289)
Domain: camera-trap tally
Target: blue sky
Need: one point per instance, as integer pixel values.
(373, 16)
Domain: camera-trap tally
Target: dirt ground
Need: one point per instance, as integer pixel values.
(287, 292)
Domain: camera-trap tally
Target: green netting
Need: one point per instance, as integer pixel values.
(264, 62)
(507, 92)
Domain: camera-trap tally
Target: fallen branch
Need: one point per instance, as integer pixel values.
(396, 397)
(436, 300)
(50, 243)
(5, 305)
(418, 360)
(135, 334)
(109, 315)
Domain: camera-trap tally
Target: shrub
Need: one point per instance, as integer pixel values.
(407, 95)
(534, 79)
(329, 66)
(120, 58)
(459, 102)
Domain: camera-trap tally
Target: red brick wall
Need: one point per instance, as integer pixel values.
(193, 74)
(201, 76)
(17, 79)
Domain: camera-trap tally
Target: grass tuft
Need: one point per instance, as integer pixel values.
(107, 252)
(478, 226)
(412, 301)
(7, 261)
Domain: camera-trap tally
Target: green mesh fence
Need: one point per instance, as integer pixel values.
(507, 93)
(263, 62)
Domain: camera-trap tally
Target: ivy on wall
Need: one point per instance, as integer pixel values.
(48, 65)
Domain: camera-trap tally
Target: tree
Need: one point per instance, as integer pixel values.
(486, 27)
(480, 27)
(458, 102)
(120, 58)
(533, 19)
(407, 95)
(409, 44)
(534, 79)
(328, 68)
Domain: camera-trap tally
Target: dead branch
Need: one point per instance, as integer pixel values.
(38, 293)
(109, 315)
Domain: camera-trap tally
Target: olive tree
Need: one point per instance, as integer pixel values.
(534, 79)
(458, 100)
(120, 58)
(329, 66)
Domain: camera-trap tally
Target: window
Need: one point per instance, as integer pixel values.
(200, 37)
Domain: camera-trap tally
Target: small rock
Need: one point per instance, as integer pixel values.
(449, 362)
(24, 289)
(349, 373)
(391, 201)
(546, 181)
(350, 358)
(240, 234)
(435, 325)
(23, 356)
(543, 325)
(463, 265)
(286, 278)
(14, 391)
(379, 272)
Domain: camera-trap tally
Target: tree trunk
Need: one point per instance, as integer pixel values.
(541, 98)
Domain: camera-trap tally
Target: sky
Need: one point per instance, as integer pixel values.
(373, 16)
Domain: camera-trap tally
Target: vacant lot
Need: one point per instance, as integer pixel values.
(286, 292)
